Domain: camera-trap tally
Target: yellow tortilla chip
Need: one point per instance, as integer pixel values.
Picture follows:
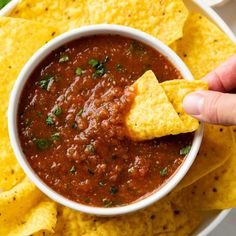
(64, 15)
(195, 218)
(153, 220)
(10, 171)
(151, 114)
(204, 46)
(42, 218)
(216, 190)
(173, 46)
(215, 150)
(155, 17)
(233, 128)
(186, 221)
(15, 203)
(16, 48)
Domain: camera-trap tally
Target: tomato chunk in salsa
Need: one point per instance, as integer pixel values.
(71, 122)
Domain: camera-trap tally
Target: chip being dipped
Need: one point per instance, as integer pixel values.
(162, 106)
(160, 117)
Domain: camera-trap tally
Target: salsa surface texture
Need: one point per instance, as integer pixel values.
(71, 122)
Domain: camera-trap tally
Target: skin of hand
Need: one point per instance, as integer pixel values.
(217, 105)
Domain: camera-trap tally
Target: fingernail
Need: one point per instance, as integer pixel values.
(193, 103)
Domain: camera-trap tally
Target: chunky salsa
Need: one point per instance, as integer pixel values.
(71, 122)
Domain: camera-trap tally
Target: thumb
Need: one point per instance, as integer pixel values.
(211, 107)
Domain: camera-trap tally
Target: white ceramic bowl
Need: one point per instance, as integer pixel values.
(30, 67)
(8, 8)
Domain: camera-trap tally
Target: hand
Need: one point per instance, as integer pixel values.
(215, 106)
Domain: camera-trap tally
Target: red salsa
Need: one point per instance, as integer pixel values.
(71, 122)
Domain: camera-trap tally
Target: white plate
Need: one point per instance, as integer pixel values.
(215, 3)
(215, 217)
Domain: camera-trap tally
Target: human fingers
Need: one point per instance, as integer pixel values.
(223, 78)
(211, 107)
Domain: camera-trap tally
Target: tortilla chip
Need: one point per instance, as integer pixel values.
(173, 46)
(41, 218)
(160, 118)
(216, 190)
(15, 203)
(214, 152)
(64, 15)
(10, 171)
(186, 221)
(151, 114)
(153, 220)
(155, 17)
(204, 46)
(176, 90)
(233, 128)
(16, 48)
(195, 218)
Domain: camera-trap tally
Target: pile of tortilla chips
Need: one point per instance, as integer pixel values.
(211, 182)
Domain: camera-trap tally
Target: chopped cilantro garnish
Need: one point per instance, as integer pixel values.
(100, 69)
(27, 122)
(46, 82)
(90, 148)
(87, 199)
(74, 125)
(163, 171)
(78, 71)
(185, 150)
(106, 202)
(55, 136)
(72, 170)
(100, 72)
(49, 120)
(114, 190)
(94, 63)
(119, 67)
(58, 111)
(42, 143)
(63, 58)
(39, 114)
(80, 112)
(137, 48)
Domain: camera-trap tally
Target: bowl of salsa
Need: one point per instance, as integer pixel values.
(66, 121)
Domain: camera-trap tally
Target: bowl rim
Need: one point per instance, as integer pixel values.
(32, 63)
(7, 9)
